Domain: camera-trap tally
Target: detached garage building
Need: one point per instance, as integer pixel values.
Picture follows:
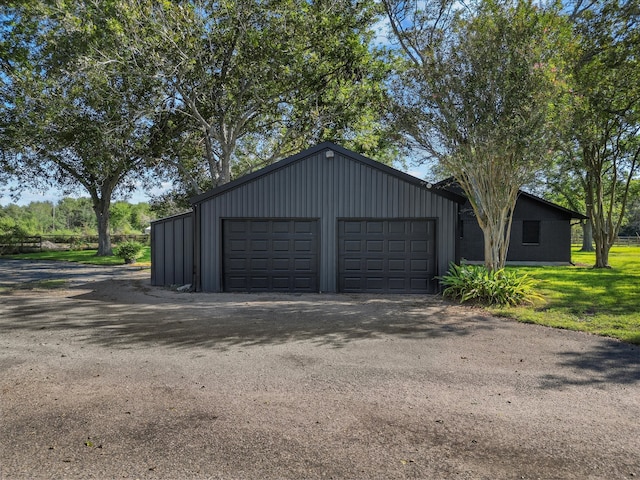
(325, 220)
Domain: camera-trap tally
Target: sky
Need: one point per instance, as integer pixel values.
(54, 195)
(138, 196)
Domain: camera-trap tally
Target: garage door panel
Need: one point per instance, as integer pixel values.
(352, 284)
(258, 264)
(238, 227)
(237, 245)
(397, 284)
(397, 246)
(236, 264)
(374, 265)
(419, 246)
(375, 227)
(280, 245)
(397, 227)
(352, 246)
(374, 284)
(259, 246)
(375, 246)
(237, 282)
(259, 226)
(304, 283)
(270, 255)
(280, 226)
(303, 246)
(353, 227)
(419, 265)
(353, 264)
(397, 265)
(420, 227)
(389, 255)
(305, 227)
(303, 264)
(280, 283)
(419, 283)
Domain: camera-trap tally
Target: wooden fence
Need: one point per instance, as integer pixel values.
(10, 245)
(628, 241)
(28, 244)
(576, 239)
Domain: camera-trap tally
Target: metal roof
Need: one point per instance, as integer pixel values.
(314, 150)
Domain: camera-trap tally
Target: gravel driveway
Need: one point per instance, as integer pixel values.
(111, 378)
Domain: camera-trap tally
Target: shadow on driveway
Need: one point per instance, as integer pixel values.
(125, 314)
(607, 362)
(129, 314)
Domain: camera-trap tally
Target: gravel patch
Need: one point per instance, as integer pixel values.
(113, 378)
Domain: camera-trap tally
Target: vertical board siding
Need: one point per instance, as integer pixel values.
(326, 189)
(172, 250)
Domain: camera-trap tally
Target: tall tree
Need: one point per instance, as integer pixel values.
(606, 112)
(254, 80)
(566, 184)
(71, 115)
(478, 93)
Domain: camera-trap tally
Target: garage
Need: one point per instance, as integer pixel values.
(270, 255)
(386, 256)
(324, 220)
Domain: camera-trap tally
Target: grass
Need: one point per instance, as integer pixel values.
(82, 256)
(600, 301)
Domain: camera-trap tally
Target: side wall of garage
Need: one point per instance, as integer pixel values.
(172, 250)
(328, 189)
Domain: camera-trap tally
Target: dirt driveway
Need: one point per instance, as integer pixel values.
(116, 379)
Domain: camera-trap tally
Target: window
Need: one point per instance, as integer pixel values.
(531, 232)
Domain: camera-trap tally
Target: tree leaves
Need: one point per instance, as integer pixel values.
(479, 93)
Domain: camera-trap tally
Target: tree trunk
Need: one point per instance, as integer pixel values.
(497, 234)
(602, 255)
(587, 235)
(587, 227)
(595, 205)
(490, 250)
(603, 246)
(101, 209)
(495, 247)
(225, 165)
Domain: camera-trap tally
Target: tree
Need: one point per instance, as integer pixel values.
(478, 93)
(606, 113)
(566, 184)
(250, 81)
(71, 115)
(76, 215)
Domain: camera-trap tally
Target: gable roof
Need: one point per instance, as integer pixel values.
(315, 150)
(450, 184)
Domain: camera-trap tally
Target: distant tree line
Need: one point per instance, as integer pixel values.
(70, 216)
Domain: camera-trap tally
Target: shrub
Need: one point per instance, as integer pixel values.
(129, 251)
(75, 244)
(477, 283)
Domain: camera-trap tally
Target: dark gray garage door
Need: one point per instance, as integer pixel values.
(272, 255)
(395, 256)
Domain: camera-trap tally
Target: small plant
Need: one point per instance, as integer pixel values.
(75, 244)
(499, 287)
(129, 251)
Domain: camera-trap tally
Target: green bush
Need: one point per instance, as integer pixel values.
(477, 283)
(130, 251)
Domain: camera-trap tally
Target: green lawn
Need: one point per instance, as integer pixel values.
(82, 256)
(600, 301)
